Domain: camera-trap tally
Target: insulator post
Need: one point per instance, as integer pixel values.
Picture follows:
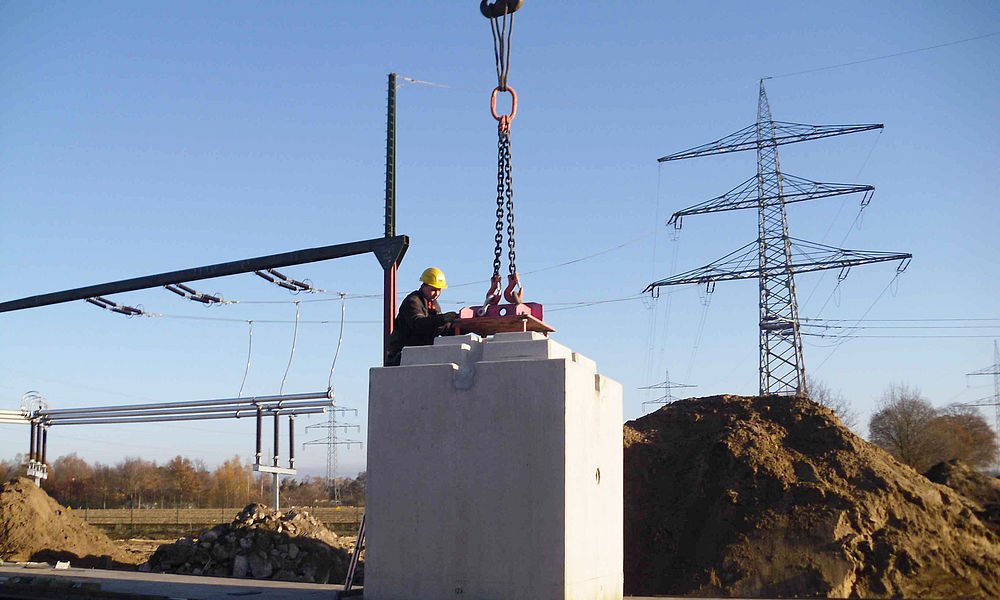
(31, 444)
(276, 438)
(291, 441)
(260, 422)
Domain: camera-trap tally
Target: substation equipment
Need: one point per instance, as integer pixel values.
(39, 417)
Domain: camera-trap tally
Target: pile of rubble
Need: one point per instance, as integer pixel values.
(34, 527)
(260, 543)
(773, 497)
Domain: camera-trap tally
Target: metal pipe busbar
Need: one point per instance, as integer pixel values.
(237, 414)
(186, 404)
(112, 417)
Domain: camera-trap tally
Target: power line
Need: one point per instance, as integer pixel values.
(774, 257)
(897, 337)
(886, 56)
(915, 320)
(856, 327)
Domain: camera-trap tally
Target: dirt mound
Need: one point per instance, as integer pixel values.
(260, 543)
(35, 527)
(773, 496)
(982, 490)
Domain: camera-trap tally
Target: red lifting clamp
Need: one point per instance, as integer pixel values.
(493, 317)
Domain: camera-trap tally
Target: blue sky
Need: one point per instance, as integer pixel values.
(142, 138)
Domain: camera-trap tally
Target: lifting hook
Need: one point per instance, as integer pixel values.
(511, 294)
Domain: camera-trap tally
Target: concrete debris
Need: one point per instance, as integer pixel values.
(260, 543)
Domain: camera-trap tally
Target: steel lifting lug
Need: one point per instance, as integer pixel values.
(510, 294)
(492, 296)
(499, 8)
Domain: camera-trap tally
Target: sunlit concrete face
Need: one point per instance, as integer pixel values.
(495, 471)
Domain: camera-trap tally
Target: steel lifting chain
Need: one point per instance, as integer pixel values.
(501, 16)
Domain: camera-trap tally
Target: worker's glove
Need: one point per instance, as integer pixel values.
(450, 316)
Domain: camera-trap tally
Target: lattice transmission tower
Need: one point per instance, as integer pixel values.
(667, 386)
(333, 441)
(993, 401)
(774, 257)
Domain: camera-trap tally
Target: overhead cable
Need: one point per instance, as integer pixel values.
(885, 56)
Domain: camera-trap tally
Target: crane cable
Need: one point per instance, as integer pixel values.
(501, 16)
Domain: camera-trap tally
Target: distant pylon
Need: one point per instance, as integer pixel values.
(668, 387)
(332, 441)
(774, 257)
(993, 370)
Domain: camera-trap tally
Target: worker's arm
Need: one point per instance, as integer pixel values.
(420, 321)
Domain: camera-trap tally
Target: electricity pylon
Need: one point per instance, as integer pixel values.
(332, 441)
(668, 386)
(774, 257)
(993, 370)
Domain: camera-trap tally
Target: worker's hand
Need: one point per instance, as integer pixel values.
(450, 316)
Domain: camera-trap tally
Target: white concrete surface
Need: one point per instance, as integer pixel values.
(495, 472)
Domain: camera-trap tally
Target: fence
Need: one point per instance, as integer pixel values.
(176, 522)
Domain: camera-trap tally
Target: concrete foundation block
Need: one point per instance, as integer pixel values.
(504, 482)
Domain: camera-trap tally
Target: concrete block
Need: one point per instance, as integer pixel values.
(505, 484)
(520, 350)
(468, 338)
(459, 354)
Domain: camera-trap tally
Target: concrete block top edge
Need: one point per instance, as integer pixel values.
(466, 350)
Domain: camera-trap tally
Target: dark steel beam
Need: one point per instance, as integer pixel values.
(388, 251)
(390, 280)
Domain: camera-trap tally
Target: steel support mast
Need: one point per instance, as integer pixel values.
(993, 401)
(778, 255)
(782, 367)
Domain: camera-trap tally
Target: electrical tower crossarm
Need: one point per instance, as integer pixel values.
(745, 195)
(784, 133)
(742, 263)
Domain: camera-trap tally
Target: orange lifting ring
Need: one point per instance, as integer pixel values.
(504, 120)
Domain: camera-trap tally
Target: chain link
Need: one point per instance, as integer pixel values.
(505, 205)
(502, 27)
(503, 150)
(509, 193)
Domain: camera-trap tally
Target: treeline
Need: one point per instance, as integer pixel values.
(921, 435)
(181, 482)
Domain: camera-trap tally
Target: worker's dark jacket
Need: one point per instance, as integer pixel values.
(419, 321)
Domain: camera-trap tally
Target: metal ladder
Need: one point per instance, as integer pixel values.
(355, 556)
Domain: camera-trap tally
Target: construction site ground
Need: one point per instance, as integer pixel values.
(725, 496)
(169, 586)
(191, 587)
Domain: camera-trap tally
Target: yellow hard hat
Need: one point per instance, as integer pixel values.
(434, 277)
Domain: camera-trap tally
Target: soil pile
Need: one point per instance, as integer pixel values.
(982, 490)
(773, 496)
(34, 527)
(260, 543)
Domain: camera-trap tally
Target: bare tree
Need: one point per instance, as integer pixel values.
(12, 469)
(821, 393)
(962, 433)
(902, 425)
(919, 435)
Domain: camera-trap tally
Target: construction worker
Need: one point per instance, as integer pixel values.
(420, 319)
